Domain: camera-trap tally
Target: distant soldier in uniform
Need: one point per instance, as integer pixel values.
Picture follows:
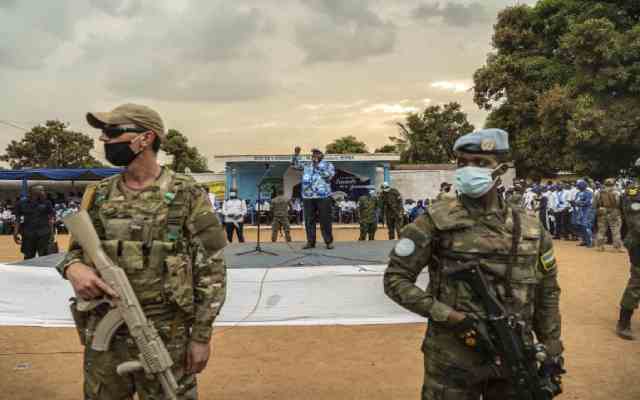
(607, 204)
(631, 295)
(280, 210)
(445, 191)
(517, 197)
(33, 230)
(392, 209)
(367, 207)
(158, 226)
(477, 227)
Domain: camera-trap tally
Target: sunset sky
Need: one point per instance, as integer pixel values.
(242, 76)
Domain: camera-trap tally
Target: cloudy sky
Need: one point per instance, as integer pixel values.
(242, 76)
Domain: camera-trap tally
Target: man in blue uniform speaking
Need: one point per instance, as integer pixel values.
(316, 192)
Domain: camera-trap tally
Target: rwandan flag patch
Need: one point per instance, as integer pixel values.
(548, 261)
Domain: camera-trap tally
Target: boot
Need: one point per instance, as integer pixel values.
(309, 246)
(601, 247)
(623, 329)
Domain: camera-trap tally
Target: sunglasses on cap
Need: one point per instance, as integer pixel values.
(114, 131)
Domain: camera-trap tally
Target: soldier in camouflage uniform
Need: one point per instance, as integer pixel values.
(367, 206)
(515, 200)
(445, 192)
(392, 209)
(607, 204)
(631, 295)
(280, 210)
(521, 272)
(158, 226)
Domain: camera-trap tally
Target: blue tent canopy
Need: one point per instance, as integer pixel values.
(59, 174)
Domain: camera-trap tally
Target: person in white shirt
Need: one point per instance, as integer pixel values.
(212, 199)
(234, 211)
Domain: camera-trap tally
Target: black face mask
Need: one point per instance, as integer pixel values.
(119, 154)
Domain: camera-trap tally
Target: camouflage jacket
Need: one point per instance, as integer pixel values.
(367, 206)
(168, 241)
(606, 198)
(445, 195)
(280, 206)
(460, 230)
(391, 202)
(631, 215)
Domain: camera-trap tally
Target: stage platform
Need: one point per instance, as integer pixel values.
(288, 255)
(342, 286)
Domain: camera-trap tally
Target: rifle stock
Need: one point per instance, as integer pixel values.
(154, 357)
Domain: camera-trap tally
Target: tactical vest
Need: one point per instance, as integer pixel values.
(488, 241)
(280, 207)
(608, 199)
(145, 237)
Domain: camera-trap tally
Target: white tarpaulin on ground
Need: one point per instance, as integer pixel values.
(323, 295)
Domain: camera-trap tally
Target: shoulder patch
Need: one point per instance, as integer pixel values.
(548, 261)
(405, 247)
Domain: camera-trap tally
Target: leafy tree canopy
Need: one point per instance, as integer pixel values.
(345, 145)
(564, 81)
(428, 137)
(184, 156)
(51, 145)
(387, 148)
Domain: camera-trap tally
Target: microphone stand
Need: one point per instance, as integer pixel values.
(258, 249)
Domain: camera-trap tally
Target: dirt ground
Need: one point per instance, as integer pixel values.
(350, 362)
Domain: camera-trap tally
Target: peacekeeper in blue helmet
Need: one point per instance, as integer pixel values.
(512, 251)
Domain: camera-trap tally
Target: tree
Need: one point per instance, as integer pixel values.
(387, 148)
(564, 82)
(428, 137)
(346, 144)
(184, 156)
(51, 145)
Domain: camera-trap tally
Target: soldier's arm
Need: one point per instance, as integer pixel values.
(405, 265)
(209, 269)
(74, 253)
(547, 321)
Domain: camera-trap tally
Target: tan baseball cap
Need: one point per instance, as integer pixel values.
(129, 113)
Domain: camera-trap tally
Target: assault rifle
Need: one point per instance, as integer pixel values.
(532, 372)
(154, 358)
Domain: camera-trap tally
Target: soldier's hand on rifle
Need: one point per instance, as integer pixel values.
(456, 317)
(86, 283)
(197, 357)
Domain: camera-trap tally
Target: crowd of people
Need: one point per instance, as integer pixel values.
(583, 210)
(62, 206)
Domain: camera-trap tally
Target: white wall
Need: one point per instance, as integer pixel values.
(421, 184)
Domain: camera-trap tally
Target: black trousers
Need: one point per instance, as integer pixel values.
(35, 244)
(230, 227)
(562, 224)
(315, 209)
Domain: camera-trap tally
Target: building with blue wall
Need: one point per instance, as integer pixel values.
(244, 172)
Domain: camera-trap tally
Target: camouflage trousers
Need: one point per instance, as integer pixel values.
(611, 219)
(631, 295)
(446, 365)
(101, 381)
(368, 229)
(280, 222)
(394, 224)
